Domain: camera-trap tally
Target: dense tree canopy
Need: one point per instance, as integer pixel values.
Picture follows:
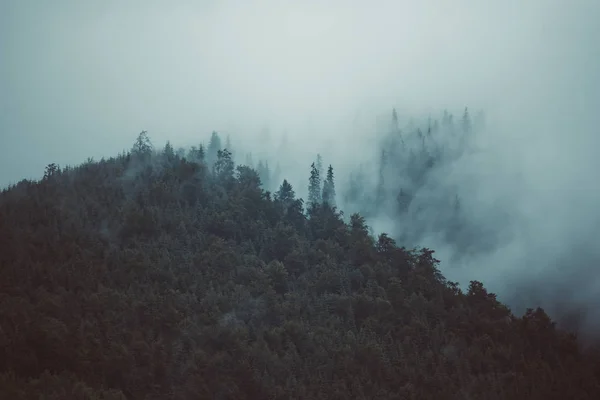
(151, 276)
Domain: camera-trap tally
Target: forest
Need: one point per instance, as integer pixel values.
(182, 274)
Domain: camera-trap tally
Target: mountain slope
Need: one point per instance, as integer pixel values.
(151, 276)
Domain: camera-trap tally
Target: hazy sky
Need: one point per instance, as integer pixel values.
(82, 78)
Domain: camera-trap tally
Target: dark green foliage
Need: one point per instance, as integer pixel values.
(169, 152)
(285, 194)
(224, 168)
(314, 186)
(158, 280)
(142, 147)
(329, 188)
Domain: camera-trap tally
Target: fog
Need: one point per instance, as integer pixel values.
(81, 79)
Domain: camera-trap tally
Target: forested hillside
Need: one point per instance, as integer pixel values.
(161, 274)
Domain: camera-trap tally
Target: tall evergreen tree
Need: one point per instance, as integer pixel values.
(329, 188)
(50, 171)
(285, 194)
(314, 186)
(169, 152)
(143, 146)
(224, 168)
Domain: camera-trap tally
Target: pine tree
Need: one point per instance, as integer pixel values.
(314, 186)
(169, 152)
(224, 167)
(291, 207)
(142, 146)
(329, 188)
(285, 194)
(50, 171)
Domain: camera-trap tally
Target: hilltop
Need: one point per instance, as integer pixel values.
(162, 274)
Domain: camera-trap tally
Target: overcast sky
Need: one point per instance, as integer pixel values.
(80, 79)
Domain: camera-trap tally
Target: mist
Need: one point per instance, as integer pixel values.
(288, 80)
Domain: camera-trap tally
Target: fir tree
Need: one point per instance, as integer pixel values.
(169, 152)
(142, 146)
(50, 171)
(285, 194)
(201, 153)
(224, 168)
(329, 188)
(314, 186)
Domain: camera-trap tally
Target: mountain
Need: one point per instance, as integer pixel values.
(165, 275)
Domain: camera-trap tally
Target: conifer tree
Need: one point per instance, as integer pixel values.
(224, 167)
(285, 194)
(314, 186)
(50, 171)
(196, 153)
(329, 188)
(142, 146)
(168, 151)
